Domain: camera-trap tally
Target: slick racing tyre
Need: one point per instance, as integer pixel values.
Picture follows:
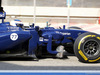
(87, 47)
(74, 27)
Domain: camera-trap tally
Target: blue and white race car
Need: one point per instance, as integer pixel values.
(35, 42)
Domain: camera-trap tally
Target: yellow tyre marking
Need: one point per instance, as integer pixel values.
(81, 53)
(94, 60)
(93, 35)
(82, 40)
(79, 45)
(98, 38)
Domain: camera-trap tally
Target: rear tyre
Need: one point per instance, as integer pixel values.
(87, 47)
(38, 52)
(74, 27)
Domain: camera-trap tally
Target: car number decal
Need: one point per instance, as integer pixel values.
(14, 36)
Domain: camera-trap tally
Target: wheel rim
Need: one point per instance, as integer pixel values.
(91, 48)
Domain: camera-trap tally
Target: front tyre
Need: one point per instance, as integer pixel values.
(87, 47)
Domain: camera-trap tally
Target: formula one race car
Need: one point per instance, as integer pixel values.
(36, 42)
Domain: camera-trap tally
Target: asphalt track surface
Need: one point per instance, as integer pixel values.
(70, 63)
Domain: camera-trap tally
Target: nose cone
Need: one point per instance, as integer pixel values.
(20, 36)
(11, 39)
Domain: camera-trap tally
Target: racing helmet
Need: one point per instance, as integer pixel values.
(16, 22)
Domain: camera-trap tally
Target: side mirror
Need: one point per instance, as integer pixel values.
(64, 26)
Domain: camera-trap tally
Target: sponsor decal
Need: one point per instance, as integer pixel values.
(81, 53)
(13, 28)
(41, 39)
(63, 33)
